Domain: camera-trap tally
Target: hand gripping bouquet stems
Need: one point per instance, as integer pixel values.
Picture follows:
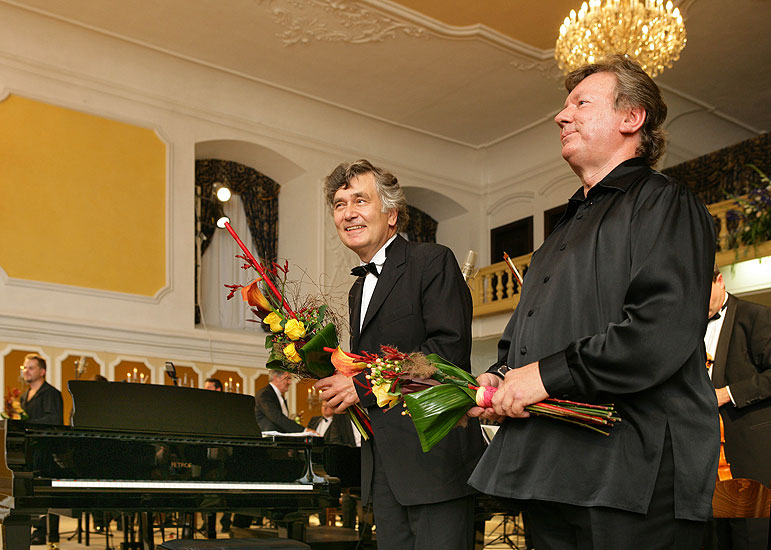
(437, 394)
(297, 338)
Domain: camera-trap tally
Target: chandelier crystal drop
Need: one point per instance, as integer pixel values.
(649, 31)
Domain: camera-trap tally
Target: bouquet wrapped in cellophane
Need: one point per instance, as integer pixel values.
(438, 394)
(297, 339)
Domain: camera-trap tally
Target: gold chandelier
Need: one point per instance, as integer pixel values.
(647, 30)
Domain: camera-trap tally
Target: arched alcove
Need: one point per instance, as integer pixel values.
(265, 160)
(435, 204)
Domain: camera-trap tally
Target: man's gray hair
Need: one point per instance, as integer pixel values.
(273, 374)
(388, 189)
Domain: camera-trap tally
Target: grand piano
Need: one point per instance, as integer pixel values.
(152, 448)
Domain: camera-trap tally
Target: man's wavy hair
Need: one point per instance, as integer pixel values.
(634, 88)
(388, 189)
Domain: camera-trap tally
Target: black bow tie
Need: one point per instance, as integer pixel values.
(362, 270)
(716, 316)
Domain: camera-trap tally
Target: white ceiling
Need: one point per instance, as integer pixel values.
(471, 85)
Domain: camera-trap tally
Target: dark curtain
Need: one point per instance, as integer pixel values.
(724, 174)
(420, 226)
(259, 195)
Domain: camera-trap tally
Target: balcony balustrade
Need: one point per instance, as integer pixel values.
(495, 290)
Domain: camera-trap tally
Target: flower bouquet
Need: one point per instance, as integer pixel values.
(297, 339)
(750, 224)
(13, 410)
(437, 394)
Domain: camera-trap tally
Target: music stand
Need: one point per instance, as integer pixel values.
(172, 372)
(505, 537)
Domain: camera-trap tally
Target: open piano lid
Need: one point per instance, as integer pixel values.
(166, 409)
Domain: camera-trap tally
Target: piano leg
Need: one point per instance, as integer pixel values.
(88, 528)
(16, 532)
(211, 525)
(146, 530)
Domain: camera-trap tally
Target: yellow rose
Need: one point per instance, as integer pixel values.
(292, 354)
(294, 329)
(274, 320)
(384, 399)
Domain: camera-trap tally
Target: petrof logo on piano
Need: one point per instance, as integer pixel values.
(182, 465)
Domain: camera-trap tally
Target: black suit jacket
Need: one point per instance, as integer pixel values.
(743, 362)
(420, 303)
(339, 432)
(267, 409)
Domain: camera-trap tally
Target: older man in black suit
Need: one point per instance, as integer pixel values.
(412, 296)
(271, 406)
(738, 337)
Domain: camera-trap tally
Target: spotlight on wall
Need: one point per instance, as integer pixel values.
(221, 222)
(222, 191)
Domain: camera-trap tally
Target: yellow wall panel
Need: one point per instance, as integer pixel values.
(82, 199)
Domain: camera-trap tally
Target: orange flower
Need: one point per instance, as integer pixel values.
(252, 295)
(346, 364)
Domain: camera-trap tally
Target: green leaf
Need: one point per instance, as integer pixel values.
(448, 369)
(320, 313)
(276, 361)
(436, 410)
(269, 341)
(317, 361)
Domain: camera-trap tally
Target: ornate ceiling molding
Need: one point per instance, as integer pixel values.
(336, 21)
(366, 21)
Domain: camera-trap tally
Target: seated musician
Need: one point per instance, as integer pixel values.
(271, 407)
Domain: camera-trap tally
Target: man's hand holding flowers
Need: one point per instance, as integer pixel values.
(338, 391)
(519, 388)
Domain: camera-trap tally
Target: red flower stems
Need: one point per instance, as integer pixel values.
(596, 414)
(261, 271)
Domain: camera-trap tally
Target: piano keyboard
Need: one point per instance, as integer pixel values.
(177, 485)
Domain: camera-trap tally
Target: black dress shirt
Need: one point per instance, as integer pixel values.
(45, 407)
(614, 307)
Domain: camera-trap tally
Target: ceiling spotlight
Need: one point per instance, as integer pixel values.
(222, 191)
(222, 221)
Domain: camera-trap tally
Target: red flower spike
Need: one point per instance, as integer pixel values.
(261, 271)
(233, 290)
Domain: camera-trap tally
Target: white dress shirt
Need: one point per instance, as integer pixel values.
(281, 400)
(370, 280)
(711, 337)
(323, 425)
